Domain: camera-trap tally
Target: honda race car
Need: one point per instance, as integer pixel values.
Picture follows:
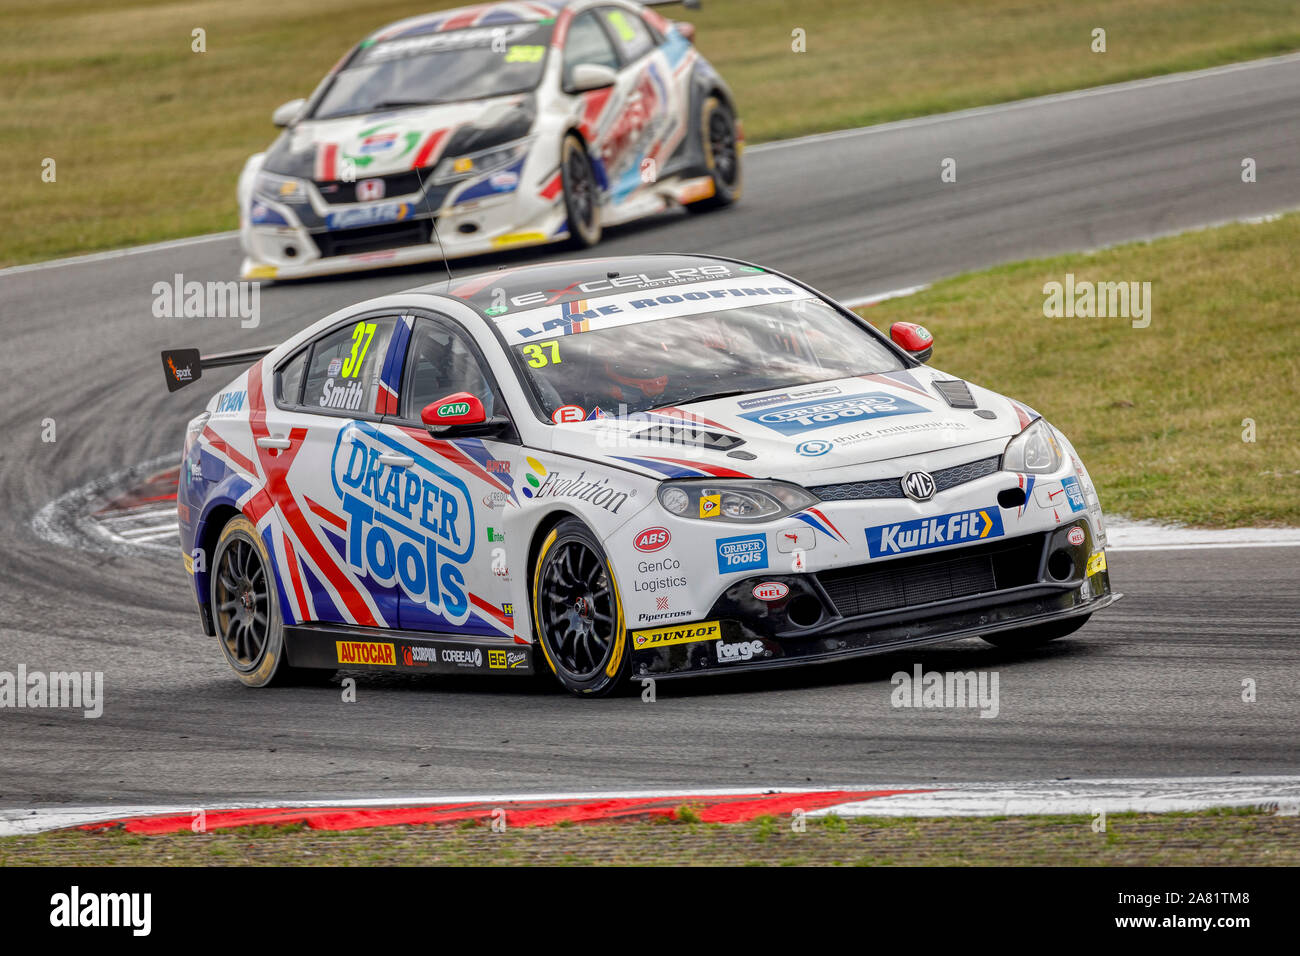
(652, 467)
(486, 128)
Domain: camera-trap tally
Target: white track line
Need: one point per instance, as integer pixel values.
(1279, 794)
(881, 296)
(1019, 798)
(119, 253)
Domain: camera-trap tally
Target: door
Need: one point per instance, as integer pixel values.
(310, 444)
(451, 570)
(645, 100)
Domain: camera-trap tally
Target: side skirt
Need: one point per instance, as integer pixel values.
(340, 647)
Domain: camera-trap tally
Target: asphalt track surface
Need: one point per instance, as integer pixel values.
(1151, 687)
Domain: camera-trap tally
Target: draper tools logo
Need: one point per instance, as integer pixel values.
(956, 528)
(744, 552)
(807, 416)
(411, 526)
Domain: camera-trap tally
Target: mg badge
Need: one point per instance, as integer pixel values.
(918, 486)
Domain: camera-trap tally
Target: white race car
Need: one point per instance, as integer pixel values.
(655, 466)
(487, 128)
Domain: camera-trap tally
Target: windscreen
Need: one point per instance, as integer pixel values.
(438, 68)
(673, 361)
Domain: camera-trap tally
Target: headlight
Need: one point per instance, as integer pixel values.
(280, 188)
(1034, 451)
(734, 500)
(452, 168)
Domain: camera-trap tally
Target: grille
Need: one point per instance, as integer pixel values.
(867, 589)
(347, 242)
(944, 479)
(398, 184)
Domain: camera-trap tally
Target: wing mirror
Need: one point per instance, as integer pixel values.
(914, 339)
(286, 113)
(460, 413)
(592, 76)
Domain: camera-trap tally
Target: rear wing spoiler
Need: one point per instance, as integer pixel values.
(183, 366)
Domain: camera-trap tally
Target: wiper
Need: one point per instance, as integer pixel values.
(710, 396)
(397, 104)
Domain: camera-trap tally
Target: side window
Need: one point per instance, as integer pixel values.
(630, 34)
(343, 373)
(288, 379)
(438, 364)
(587, 43)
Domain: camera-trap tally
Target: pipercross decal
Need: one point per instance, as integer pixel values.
(807, 416)
(922, 533)
(410, 526)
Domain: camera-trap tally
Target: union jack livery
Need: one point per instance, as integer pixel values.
(486, 128)
(652, 467)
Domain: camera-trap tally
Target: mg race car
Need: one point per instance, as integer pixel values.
(486, 128)
(645, 467)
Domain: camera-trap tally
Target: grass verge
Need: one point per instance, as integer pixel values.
(1209, 838)
(148, 136)
(1159, 413)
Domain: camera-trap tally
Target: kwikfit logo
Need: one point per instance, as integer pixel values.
(922, 533)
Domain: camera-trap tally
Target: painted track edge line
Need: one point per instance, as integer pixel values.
(1273, 793)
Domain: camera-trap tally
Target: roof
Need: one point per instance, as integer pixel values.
(551, 283)
(479, 15)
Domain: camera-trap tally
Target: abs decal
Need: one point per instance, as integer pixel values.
(809, 416)
(410, 526)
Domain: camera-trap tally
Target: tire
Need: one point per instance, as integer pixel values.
(577, 612)
(581, 194)
(1037, 635)
(721, 153)
(246, 611)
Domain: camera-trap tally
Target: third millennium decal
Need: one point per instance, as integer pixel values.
(956, 528)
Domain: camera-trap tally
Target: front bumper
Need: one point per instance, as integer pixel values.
(880, 607)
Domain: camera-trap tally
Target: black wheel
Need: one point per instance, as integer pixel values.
(722, 153)
(581, 194)
(246, 612)
(577, 612)
(1038, 634)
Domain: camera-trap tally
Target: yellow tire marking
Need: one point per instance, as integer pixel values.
(537, 580)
